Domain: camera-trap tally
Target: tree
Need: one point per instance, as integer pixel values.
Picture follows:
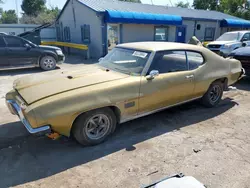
(9, 17)
(205, 4)
(33, 7)
(134, 1)
(181, 4)
(48, 15)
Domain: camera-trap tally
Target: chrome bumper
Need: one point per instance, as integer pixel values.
(16, 109)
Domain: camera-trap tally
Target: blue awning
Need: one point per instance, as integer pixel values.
(142, 18)
(235, 23)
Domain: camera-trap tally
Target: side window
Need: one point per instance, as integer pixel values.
(14, 42)
(2, 43)
(169, 61)
(85, 32)
(195, 59)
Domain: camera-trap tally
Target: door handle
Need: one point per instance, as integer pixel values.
(190, 77)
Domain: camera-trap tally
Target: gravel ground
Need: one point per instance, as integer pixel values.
(213, 145)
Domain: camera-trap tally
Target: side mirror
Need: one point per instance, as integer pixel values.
(99, 60)
(152, 74)
(27, 46)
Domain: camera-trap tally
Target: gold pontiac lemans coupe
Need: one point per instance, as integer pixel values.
(133, 80)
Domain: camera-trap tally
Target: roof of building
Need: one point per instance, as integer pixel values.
(158, 46)
(103, 5)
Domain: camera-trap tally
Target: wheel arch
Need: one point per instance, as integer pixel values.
(47, 54)
(115, 109)
(223, 80)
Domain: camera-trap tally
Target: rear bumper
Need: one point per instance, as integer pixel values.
(16, 110)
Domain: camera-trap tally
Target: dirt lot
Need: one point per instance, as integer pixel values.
(213, 145)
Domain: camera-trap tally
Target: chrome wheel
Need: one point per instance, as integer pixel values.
(215, 93)
(97, 126)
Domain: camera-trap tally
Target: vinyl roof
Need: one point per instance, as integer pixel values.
(159, 46)
(103, 5)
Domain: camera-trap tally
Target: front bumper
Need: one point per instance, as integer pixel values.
(16, 110)
(221, 51)
(61, 59)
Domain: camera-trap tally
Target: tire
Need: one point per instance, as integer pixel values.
(48, 63)
(213, 96)
(86, 127)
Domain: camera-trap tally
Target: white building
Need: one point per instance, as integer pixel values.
(104, 23)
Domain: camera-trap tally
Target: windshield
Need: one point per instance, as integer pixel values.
(229, 37)
(127, 61)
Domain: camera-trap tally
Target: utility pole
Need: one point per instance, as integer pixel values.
(17, 12)
(152, 2)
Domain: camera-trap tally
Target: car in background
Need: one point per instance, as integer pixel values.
(243, 55)
(230, 41)
(131, 81)
(16, 52)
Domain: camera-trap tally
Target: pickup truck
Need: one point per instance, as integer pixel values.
(230, 41)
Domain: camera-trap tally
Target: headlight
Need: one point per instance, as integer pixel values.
(226, 46)
(59, 52)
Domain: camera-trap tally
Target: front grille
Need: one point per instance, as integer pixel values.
(245, 61)
(214, 46)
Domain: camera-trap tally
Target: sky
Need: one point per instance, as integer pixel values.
(11, 4)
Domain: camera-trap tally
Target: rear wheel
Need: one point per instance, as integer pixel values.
(214, 94)
(94, 127)
(48, 63)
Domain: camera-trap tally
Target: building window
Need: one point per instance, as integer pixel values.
(85, 32)
(161, 33)
(67, 36)
(198, 27)
(209, 34)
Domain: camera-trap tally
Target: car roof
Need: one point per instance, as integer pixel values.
(159, 46)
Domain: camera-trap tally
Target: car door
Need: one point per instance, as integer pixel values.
(3, 54)
(18, 53)
(173, 85)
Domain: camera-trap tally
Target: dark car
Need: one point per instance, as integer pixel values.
(16, 52)
(243, 55)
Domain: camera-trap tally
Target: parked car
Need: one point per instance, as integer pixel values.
(243, 55)
(133, 80)
(230, 41)
(16, 52)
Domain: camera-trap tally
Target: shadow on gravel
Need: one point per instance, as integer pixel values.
(244, 84)
(37, 158)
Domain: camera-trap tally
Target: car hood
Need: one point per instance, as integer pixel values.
(221, 42)
(39, 86)
(49, 47)
(245, 51)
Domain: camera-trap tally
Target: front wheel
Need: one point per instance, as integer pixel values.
(48, 63)
(94, 127)
(214, 94)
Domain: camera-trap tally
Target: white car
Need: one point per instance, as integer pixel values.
(230, 41)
